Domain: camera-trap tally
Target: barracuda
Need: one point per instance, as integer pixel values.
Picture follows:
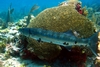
(59, 38)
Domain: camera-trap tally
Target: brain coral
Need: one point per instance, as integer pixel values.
(59, 19)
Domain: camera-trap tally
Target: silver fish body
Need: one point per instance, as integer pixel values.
(65, 39)
(49, 36)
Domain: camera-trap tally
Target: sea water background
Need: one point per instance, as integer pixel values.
(22, 7)
(18, 4)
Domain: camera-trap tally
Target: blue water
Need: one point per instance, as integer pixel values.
(22, 7)
(18, 4)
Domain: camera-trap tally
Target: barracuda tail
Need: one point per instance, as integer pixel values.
(93, 40)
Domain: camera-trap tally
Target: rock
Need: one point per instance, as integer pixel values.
(43, 50)
(4, 30)
(59, 19)
(23, 22)
(13, 32)
(2, 47)
(12, 62)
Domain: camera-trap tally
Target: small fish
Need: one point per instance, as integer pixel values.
(65, 39)
(34, 7)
